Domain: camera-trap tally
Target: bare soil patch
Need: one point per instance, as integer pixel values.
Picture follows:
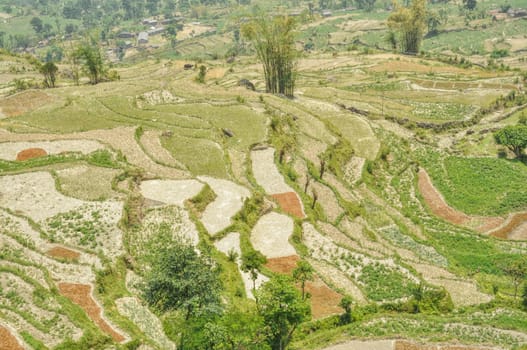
(81, 295)
(64, 253)
(407, 345)
(324, 300)
(174, 192)
(266, 173)
(513, 228)
(31, 153)
(363, 345)
(8, 341)
(290, 203)
(440, 208)
(283, 265)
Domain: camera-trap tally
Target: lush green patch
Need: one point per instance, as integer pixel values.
(384, 283)
(481, 186)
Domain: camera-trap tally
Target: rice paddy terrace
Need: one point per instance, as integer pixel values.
(372, 189)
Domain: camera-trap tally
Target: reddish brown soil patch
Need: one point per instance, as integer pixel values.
(31, 153)
(324, 301)
(284, 265)
(80, 294)
(440, 208)
(63, 253)
(290, 203)
(8, 341)
(515, 221)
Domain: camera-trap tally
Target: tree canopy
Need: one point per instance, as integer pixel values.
(49, 71)
(282, 308)
(514, 137)
(273, 38)
(410, 23)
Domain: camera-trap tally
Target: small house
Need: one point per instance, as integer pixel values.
(142, 38)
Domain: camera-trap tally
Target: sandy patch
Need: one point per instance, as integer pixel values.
(157, 97)
(229, 200)
(271, 235)
(231, 242)
(152, 145)
(8, 341)
(290, 203)
(174, 192)
(364, 345)
(34, 195)
(10, 150)
(81, 294)
(266, 173)
(63, 253)
(31, 153)
(145, 320)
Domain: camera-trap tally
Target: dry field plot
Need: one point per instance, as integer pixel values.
(138, 313)
(88, 183)
(266, 173)
(12, 150)
(8, 341)
(24, 102)
(174, 192)
(229, 200)
(271, 235)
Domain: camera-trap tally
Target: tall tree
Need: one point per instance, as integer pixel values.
(37, 24)
(514, 137)
(49, 71)
(92, 60)
(274, 41)
(410, 22)
(302, 273)
(282, 309)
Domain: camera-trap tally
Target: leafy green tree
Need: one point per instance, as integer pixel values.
(37, 24)
(346, 303)
(92, 60)
(517, 272)
(201, 75)
(274, 41)
(514, 137)
(182, 279)
(49, 71)
(366, 5)
(302, 273)
(410, 22)
(470, 4)
(252, 262)
(282, 308)
(524, 296)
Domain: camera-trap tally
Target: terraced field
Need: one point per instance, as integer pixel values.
(390, 213)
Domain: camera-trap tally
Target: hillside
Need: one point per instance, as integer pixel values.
(382, 173)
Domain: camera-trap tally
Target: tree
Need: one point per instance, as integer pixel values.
(49, 71)
(517, 271)
(514, 137)
(92, 60)
(410, 22)
(524, 297)
(302, 273)
(366, 5)
(251, 262)
(282, 309)
(346, 303)
(37, 24)
(180, 279)
(274, 41)
(470, 4)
